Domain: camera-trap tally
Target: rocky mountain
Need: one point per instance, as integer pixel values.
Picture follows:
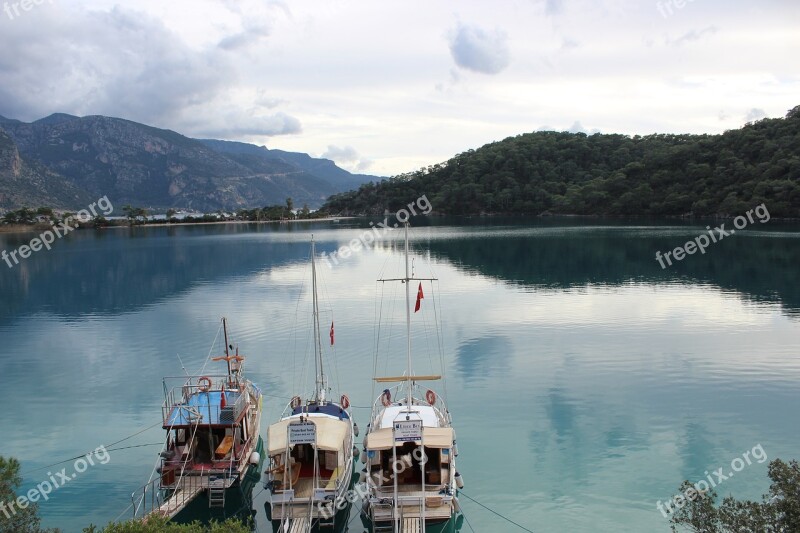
(23, 183)
(141, 165)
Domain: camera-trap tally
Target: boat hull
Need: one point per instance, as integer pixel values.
(340, 521)
(238, 499)
(452, 525)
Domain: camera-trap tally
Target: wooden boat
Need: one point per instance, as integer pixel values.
(213, 444)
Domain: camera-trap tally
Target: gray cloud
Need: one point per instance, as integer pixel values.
(577, 127)
(479, 50)
(690, 36)
(128, 64)
(348, 157)
(553, 7)
(253, 32)
(240, 125)
(755, 114)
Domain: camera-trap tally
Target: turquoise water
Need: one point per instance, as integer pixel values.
(585, 382)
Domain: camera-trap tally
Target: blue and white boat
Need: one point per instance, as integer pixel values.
(311, 451)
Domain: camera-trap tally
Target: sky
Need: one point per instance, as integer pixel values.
(387, 87)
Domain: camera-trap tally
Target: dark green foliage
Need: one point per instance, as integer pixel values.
(162, 525)
(13, 517)
(614, 175)
(779, 511)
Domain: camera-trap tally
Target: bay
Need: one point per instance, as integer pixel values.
(585, 381)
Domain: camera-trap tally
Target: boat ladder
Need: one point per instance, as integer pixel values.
(216, 494)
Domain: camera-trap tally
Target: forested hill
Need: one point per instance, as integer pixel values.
(572, 173)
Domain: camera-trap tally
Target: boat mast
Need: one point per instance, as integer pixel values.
(408, 327)
(320, 392)
(227, 352)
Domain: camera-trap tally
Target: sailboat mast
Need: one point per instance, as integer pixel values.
(320, 393)
(227, 352)
(408, 326)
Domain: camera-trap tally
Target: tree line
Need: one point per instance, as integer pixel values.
(550, 172)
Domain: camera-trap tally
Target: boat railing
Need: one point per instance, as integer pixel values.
(442, 412)
(179, 397)
(156, 498)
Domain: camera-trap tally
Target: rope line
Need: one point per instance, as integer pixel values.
(92, 451)
(462, 493)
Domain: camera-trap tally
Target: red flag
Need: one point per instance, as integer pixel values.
(420, 296)
(331, 333)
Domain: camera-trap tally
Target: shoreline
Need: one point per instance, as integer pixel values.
(17, 229)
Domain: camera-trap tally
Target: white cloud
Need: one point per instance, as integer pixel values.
(380, 77)
(755, 114)
(480, 50)
(347, 157)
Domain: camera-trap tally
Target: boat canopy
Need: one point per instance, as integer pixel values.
(383, 439)
(331, 433)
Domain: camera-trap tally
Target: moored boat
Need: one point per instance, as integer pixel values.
(410, 447)
(311, 449)
(213, 446)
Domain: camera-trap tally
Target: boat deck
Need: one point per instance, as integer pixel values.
(187, 492)
(436, 506)
(207, 404)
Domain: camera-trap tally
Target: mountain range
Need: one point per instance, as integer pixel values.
(64, 161)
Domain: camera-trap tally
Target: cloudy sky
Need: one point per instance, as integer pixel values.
(387, 87)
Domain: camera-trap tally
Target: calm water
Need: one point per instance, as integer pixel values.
(586, 382)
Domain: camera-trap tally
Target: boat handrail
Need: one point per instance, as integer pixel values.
(440, 407)
(185, 392)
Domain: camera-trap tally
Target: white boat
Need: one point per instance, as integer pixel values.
(213, 449)
(311, 452)
(410, 448)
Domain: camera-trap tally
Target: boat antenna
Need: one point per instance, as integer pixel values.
(317, 342)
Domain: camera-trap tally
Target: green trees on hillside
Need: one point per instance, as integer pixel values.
(575, 173)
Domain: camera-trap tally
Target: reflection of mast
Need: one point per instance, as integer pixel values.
(320, 392)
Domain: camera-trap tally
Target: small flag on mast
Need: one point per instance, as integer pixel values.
(331, 333)
(420, 297)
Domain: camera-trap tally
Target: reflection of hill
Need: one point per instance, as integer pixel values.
(762, 268)
(113, 271)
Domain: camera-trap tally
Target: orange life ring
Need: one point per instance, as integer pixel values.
(430, 396)
(344, 401)
(204, 379)
(386, 398)
(296, 401)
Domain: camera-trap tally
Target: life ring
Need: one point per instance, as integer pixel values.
(344, 401)
(204, 379)
(430, 396)
(386, 398)
(296, 401)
